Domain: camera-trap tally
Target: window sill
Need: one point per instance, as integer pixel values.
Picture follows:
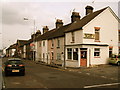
(51, 47)
(58, 47)
(97, 41)
(96, 56)
(72, 42)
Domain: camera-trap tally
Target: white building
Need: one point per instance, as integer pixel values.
(92, 39)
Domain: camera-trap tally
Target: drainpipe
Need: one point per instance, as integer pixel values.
(64, 54)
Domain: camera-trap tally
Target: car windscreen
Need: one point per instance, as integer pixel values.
(15, 62)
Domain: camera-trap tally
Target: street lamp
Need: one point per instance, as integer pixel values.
(33, 38)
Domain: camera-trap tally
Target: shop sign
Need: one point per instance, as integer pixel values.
(89, 36)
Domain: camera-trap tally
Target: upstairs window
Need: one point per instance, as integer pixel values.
(58, 43)
(119, 35)
(43, 43)
(97, 33)
(110, 51)
(52, 44)
(73, 36)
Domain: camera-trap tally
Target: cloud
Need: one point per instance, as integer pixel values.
(13, 13)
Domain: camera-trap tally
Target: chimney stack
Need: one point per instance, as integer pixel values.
(45, 29)
(38, 33)
(75, 17)
(89, 9)
(59, 23)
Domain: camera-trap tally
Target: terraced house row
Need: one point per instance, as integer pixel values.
(86, 41)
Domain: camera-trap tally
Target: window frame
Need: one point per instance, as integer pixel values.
(76, 51)
(69, 50)
(43, 43)
(58, 43)
(58, 56)
(52, 43)
(97, 32)
(97, 51)
(110, 50)
(72, 37)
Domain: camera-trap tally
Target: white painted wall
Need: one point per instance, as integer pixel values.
(108, 31)
(78, 37)
(108, 35)
(44, 50)
(38, 51)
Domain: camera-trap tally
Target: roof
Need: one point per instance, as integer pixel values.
(12, 46)
(56, 32)
(77, 25)
(45, 35)
(59, 32)
(22, 42)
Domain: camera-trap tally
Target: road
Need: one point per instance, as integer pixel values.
(41, 76)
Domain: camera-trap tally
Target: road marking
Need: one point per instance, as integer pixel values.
(101, 85)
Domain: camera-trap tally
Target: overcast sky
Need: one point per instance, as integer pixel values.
(44, 12)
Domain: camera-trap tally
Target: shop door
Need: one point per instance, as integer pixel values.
(83, 60)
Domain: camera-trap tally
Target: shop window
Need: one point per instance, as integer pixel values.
(69, 53)
(110, 51)
(97, 52)
(75, 54)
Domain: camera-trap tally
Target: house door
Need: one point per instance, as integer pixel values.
(83, 59)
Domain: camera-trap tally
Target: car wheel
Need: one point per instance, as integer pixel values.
(118, 63)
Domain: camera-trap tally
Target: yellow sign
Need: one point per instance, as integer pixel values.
(89, 36)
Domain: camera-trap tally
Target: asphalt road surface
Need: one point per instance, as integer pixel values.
(41, 76)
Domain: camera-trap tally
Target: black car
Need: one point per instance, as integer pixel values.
(14, 65)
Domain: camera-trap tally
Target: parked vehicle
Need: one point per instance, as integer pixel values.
(114, 59)
(14, 65)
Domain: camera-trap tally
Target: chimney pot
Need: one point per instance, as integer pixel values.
(75, 17)
(59, 23)
(89, 9)
(45, 29)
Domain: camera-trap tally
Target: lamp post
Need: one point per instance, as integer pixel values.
(33, 46)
